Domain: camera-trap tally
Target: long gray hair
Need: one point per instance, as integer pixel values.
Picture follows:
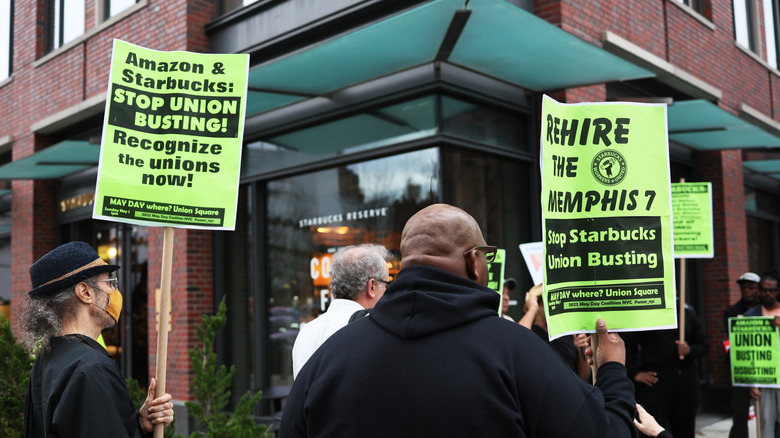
(41, 319)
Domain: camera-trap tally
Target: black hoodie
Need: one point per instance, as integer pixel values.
(434, 359)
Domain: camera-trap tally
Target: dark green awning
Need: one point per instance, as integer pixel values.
(492, 37)
(703, 125)
(54, 162)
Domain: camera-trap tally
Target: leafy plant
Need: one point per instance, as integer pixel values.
(14, 375)
(211, 388)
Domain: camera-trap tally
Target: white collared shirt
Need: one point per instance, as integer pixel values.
(316, 332)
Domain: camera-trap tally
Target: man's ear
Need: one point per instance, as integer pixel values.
(84, 293)
(471, 266)
(371, 290)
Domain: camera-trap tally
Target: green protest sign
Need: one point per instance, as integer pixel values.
(692, 220)
(172, 134)
(606, 217)
(753, 349)
(496, 274)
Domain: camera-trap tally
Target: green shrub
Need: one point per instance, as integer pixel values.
(14, 374)
(211, 388)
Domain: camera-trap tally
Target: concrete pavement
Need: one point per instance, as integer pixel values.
(718, 426)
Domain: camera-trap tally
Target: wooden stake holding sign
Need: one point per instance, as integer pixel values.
(682, 303)
(594, 344)
(681, 319)
(161, 367)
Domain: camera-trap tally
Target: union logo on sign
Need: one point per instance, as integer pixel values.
(609, 167)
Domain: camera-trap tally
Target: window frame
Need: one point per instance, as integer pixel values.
(751, 24)
(772, 32)
(103, 10)
(10, 54)
(55, 25)
(93, 24)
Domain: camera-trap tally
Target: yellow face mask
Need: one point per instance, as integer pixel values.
(114, 304)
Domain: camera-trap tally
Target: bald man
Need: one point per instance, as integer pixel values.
(434, 359)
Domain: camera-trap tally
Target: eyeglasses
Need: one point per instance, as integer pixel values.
(113, 283)
(386, 283)
(489, 250)
(770, 290)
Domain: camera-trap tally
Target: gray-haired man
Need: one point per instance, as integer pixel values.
(359, 277)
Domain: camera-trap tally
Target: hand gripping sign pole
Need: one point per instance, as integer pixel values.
(162, 332)
(594, 344)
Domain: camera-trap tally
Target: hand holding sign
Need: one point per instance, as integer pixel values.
(609, 347)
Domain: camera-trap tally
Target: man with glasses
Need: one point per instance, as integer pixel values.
(76, 388)
(434, 359)
(769, 397)
(359, 276)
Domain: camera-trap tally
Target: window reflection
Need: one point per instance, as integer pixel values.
(369, 130)
(66, 22)
(231, 5)
(117, 6)
(402, 122)
(310, 216)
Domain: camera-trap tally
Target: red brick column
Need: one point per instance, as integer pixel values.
(192, 295)
(724, 170)
(33, 228)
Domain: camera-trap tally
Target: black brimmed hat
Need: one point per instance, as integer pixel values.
(64, 267)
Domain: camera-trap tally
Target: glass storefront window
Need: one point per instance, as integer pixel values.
(483, 124)
(415, 119)
(372, 129)
(240, 328)
(310, 216)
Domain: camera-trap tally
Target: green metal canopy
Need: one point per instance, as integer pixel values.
(768, 167)
(702, 125)
(54, 162)
(492, 37)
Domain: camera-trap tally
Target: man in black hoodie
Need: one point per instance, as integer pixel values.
(434, 359)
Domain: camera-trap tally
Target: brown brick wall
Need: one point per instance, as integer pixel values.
(36, 92)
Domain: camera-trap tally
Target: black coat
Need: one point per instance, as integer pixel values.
(434, 359)
(77, 390)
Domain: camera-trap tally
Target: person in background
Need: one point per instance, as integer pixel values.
(432, 359)
(359, 276)
(76, 388)
(769, 307)
(509, 285)
(740, 395)
(664, 372)
(571, 349)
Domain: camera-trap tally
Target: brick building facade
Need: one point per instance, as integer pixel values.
(673, 51)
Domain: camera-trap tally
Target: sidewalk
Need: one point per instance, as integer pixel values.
(718, 426)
